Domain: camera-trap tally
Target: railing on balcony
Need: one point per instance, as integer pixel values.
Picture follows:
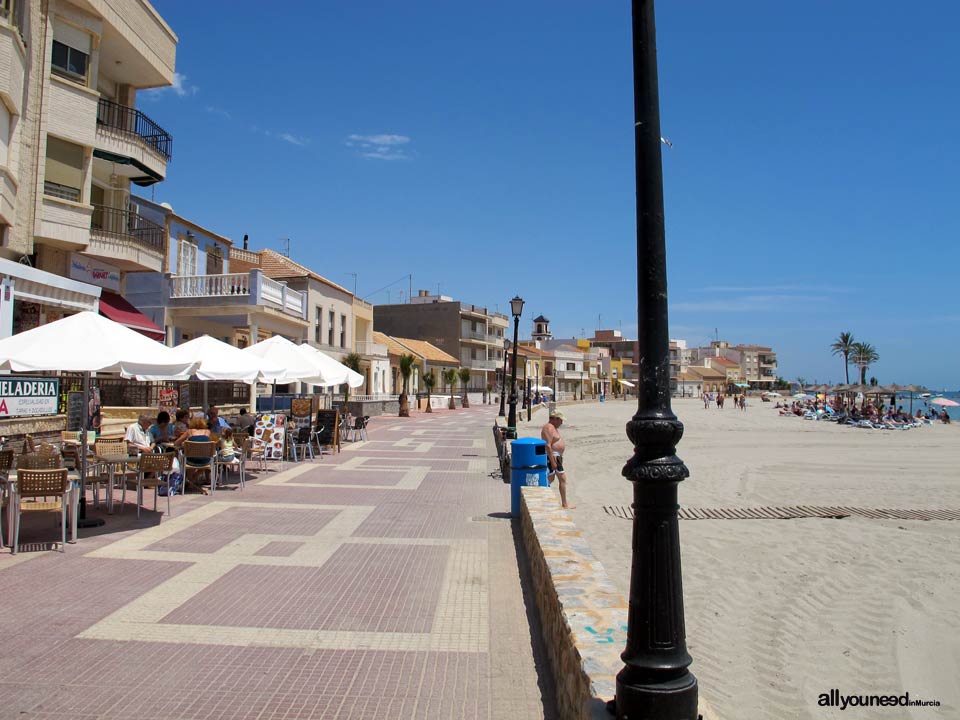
(371, 349)
(133, 122)
(192, 286)
(279, 294)
(247, 256)
(478, 364)
(129, 226)
(64, 192)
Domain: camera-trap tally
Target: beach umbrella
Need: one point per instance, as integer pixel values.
(945, 402)
(87, 342)
(914, 389)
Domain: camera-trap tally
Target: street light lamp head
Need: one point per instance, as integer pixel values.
(516, 306)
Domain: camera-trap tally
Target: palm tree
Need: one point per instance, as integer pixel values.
(843, 345)
(406, 369)
(352, 361)
(429, 380)
(863, 355)
(464, 375)
(449, 380)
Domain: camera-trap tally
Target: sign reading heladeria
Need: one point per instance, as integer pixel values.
(28, 396)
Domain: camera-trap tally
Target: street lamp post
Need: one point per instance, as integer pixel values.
(655, 681)
(516, 307)
(503, 377)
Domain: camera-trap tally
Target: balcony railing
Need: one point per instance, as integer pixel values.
(371, 349)
(478, 364)
(571, 374)
(64, 192)
(247, 256)
(133, 122)
(279, 294)
(129, 226)
(194, 286)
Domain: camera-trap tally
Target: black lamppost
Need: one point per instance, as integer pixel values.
(655, 681)
(516, 307)
(503, 377)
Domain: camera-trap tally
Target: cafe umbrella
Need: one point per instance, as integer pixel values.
(86, 343)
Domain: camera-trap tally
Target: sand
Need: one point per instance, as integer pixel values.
(780, 611)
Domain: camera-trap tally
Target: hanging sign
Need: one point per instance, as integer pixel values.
(89, 270)
(28, 396)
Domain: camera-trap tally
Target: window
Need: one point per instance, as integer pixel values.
(343, 331)
(4, 134)
(69, 62)
(330, 317)
(571, 366)
(63, 175)
(317, 324)
(187, 257)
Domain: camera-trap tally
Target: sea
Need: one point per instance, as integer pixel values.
(919, 402)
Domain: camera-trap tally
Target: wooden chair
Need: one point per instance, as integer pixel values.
(153, 471)
(258, 449)
(110, 474)
(198, 459)
(36, 461)
(36, 484)
(6, 463)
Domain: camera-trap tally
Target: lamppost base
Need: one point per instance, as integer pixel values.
(671, 700)
(511, 433)
(90, 522)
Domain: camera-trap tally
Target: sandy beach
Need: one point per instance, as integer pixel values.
(780, 611)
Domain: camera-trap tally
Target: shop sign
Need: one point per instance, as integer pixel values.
(28, 396)
(169, 397)
(89, 270)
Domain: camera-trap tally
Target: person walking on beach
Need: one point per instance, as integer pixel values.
(706, 401)
(555, 447)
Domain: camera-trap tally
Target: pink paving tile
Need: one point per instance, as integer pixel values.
(279, 549)
(120, 681)
(220, 530)
(376, 476)
(372, 588)
(410, 520)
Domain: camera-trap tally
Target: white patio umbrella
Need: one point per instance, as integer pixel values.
(218, 360)
(278, 352)
(333, 371)
(86, 343)
(543, 389)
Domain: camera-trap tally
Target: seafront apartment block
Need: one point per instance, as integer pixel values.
(471, 333)
(72, 142)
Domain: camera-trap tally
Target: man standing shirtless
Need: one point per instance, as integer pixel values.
(555, 447)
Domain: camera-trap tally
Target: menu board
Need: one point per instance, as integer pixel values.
(74, 410)
(269, 434)
(328, 427)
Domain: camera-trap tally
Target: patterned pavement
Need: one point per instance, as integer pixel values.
(382, 582)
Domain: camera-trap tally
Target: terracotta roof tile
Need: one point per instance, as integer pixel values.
(428, 351)
(275, 265)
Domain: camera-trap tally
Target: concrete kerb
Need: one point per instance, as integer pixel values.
(583, 615)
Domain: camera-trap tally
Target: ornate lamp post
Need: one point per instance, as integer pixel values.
(503, 378)
(655, 681)
(516, 307)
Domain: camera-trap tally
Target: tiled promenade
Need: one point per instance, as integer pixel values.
(370, 584)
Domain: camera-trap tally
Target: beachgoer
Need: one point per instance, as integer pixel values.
(555, 448)
(137, 437)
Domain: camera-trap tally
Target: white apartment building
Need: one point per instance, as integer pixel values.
(71, 143)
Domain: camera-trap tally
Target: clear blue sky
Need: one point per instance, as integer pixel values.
(488, 147)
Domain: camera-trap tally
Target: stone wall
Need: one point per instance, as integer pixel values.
(583, 615)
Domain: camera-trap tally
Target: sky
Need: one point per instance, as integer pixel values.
(487, 149)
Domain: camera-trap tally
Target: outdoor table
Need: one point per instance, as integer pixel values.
(114, 461)
(10, 483)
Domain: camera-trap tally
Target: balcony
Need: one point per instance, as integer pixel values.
(246, 292)
(479, 364)
(371, 349)
(138, 147)
(126, 239)
(64, 222)
(571, 374)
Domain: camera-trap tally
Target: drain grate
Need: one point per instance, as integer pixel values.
(794, 512)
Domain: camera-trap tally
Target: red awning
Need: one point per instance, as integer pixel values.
(114, 307)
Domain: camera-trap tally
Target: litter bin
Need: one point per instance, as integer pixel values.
(528, 466)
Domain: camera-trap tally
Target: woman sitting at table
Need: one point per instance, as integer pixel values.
(161, 432)
(196, 432)
(180, 424)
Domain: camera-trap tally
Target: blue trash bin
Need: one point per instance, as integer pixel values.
(528, 466)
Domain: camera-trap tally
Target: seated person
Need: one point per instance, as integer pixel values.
(945, 418)
(138, 438)
(214, 421)
(180, 425)
(246, 420)
(196, 432)
(227, 447)
(161, 431)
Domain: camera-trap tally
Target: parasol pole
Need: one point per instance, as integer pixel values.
(84, 427)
